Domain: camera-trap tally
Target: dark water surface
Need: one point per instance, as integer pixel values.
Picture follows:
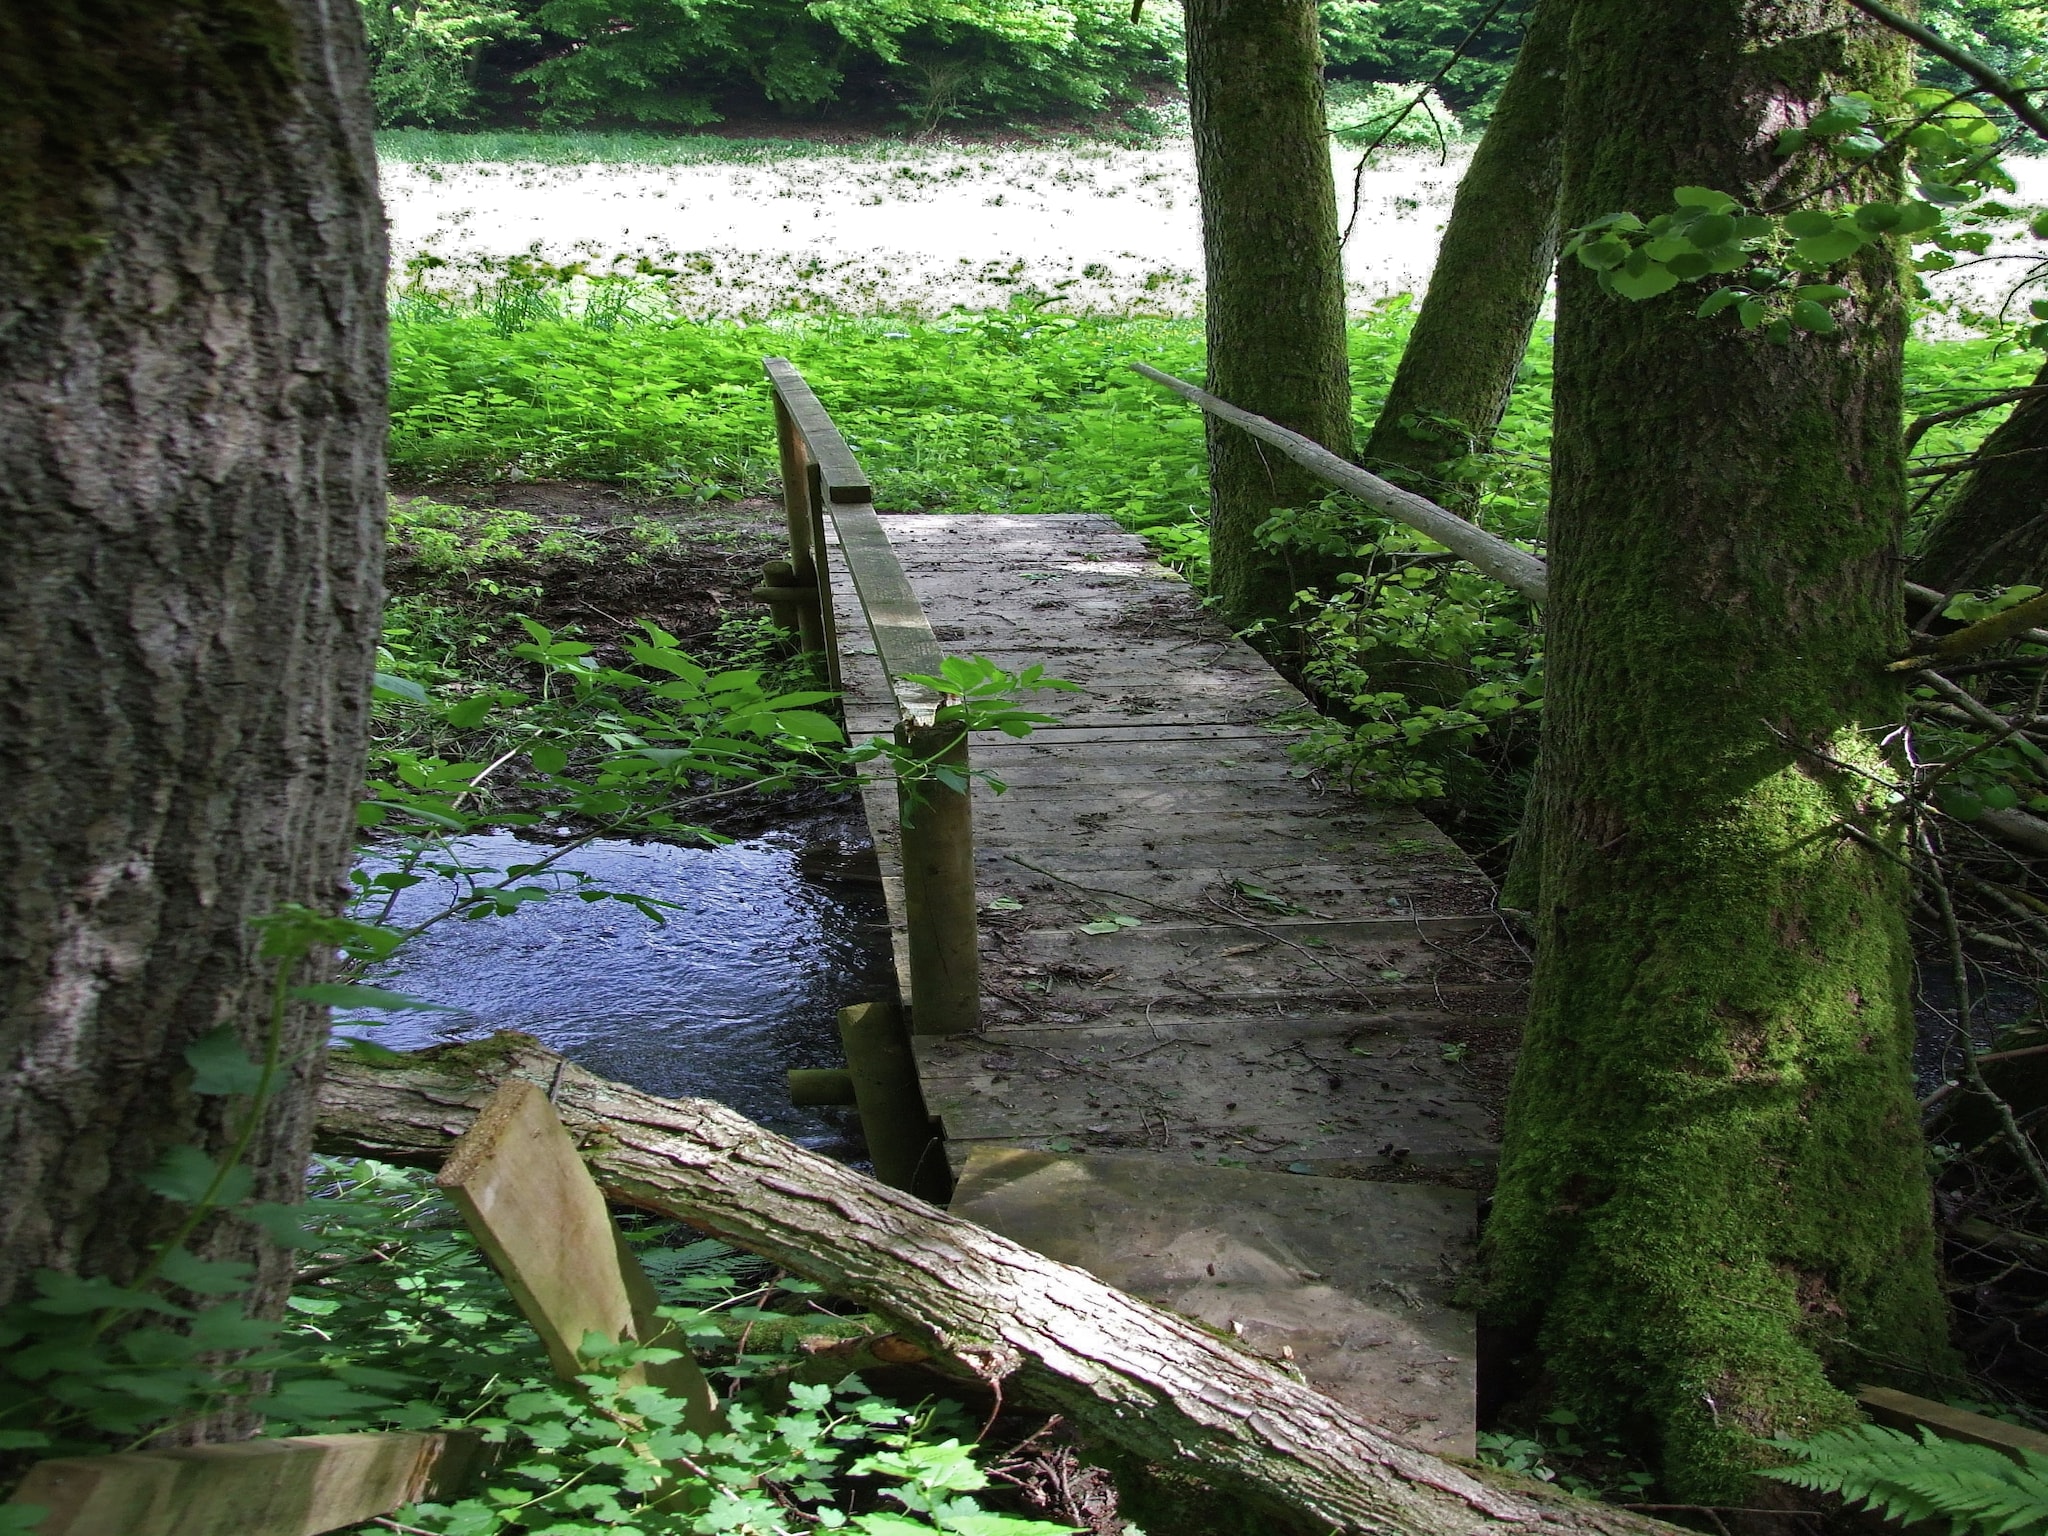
(740, 984)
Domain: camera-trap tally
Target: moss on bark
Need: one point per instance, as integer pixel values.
(90, 89)
(1712, 1189)
(1275, 285)
(1491, 272)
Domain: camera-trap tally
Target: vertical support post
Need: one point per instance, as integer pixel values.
(938, 887)
(799, 508)
(901, 1144)
(828, 629)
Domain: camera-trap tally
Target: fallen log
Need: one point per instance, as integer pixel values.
(1136, 1382)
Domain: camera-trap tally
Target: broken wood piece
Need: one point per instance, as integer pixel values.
(1131, 1379)
(1902, 1410)
(300, 1486)
(541, 1220)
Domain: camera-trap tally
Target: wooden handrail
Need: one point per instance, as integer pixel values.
(1498, 558)
(903, 636)
(820, 478)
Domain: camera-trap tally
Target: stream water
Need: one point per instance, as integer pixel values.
(742, 982)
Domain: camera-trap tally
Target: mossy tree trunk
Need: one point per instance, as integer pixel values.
(1713, 1184)
(1275, 282)
(192, 419)
(1491, 272)
(1994, 530)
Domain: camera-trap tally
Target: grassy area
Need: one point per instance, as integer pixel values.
(1007, 411)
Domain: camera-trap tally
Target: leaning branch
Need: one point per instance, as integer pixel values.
(1133, 1379)
(1495, 556)
(1968, 63)
(2015, 623)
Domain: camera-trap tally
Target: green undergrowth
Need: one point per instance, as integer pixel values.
(395, 1297)
(1430, 675)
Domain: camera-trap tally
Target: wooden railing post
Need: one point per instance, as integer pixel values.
(901, 1143)
(800, 513)
(938, 886)
(821, 576)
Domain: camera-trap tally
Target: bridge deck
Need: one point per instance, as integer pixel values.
(1268, 1101)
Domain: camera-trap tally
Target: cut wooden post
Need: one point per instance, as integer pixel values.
(522, 1187)
(287, 1487)
(938, 887)
(901, 1143)
(810, 1087)
(784, 597)
(1902, 1410)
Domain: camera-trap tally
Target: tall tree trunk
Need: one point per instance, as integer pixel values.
(1994, 531)
(1712, 1182)
(1275, 282)
(1492, 269)
(192, 372)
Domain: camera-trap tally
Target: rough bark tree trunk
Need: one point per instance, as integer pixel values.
(192, 371)
(1994, 530)
(1713, 1184)
(1491, 272)
(1275, 282)
(1131, 1378)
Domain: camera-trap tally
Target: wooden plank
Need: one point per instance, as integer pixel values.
(524, 1191)
(1348, 1282)
(1902, 1410)
(1334, 1088)
(286, 1487)
(844, 479)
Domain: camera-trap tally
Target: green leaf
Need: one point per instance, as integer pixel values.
(1717, 301)
(1809, 316)
(547, 757)
(808, 725)
(185, 1174)
(1824, 293)
(1604, 255)
(220, 1065)
(1653, 280)
(1110, 922)
(388, 685)
(1809, 221)
(470, 712)
(205, 1277)
(1704, 197)
(1825, 250)
(1711, 230)
(2038, 226)
(1880, 217)
(21, 1519)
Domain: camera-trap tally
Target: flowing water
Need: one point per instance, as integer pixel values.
(742, 982)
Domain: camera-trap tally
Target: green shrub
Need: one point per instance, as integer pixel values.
(1974, 1488)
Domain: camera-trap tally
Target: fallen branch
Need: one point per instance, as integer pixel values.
(1129, 1377)
(1495, 556)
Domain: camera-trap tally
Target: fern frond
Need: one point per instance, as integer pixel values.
(1979, 1491)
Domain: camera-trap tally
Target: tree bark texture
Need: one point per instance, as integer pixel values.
(1275, 283)
(1994, 530)
(1492, 270)
(1132, 1378)
(192, 388)
(1712, 1183)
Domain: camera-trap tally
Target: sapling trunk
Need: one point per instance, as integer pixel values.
(1492, 270)
(1275, 283)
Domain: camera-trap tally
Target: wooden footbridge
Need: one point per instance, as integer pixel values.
(1171, 1010)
